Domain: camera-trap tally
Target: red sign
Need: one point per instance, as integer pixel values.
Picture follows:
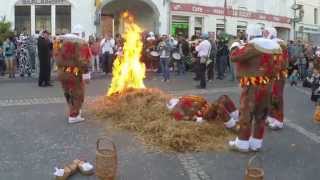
(229, 12)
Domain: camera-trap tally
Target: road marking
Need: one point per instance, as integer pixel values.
(304, 91)
(303, 131)
(312, 136)
(192, 167)
(59, 100)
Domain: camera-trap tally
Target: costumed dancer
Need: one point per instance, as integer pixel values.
(197, 108)
(73, 55)
(188, 108)
(254, 70)
(276, 114)
(316, 88)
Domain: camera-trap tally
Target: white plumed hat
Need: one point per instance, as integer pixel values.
(253, 30)
(77, 29)
(272, 32)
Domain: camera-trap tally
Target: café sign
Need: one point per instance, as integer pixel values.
(229, 12)
(43, 2)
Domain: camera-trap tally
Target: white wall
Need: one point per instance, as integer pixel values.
(83, 13)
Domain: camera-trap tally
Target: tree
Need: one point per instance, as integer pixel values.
(5, 30)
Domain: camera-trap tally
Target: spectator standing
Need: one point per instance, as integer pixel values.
(95, 63)
(44, 58)
(164, 49)
(222, 59)
(184, 50)
(203, 49)
(2, 63)
(9, 54)
(107, 48)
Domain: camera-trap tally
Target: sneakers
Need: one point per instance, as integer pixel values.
(276, 125)
(255, 144)
(269, 120)
(273, 123)
(239, 145)
(73, 120)
(230, 124)
(235, 115)
(244, 146)
(234, 119)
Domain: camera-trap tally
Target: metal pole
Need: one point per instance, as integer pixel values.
(224, 16)
(294, 22)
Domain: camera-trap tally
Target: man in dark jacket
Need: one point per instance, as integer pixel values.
(222, 59)
(44, 59)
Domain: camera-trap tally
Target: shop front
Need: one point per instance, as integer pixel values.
(217, 19)
(37, 15)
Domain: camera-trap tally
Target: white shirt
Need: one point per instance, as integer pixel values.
(107, 46)
(203, 48)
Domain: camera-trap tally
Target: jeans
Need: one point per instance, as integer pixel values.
(221, 66)
(232, 73)
(181, 66)
(302, 70)
(164, 63)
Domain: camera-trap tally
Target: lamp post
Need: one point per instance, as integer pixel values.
(224, 16)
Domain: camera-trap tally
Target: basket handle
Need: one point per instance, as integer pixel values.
(107, 139)
(253, 158)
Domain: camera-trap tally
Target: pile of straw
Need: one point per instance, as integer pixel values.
(144, 113)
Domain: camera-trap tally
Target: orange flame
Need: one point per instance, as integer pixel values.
(128, 71)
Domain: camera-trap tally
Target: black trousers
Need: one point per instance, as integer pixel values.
(45, 71)
(202, 74)
(2, 67)
(210, 71)
(196, 68)
(107, 62)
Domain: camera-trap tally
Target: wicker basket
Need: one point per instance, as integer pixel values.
(106, 159)
(254, 173)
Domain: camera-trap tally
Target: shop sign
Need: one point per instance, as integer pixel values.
(229, 12)
(42, 2)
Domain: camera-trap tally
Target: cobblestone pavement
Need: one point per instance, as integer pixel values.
(35, 137)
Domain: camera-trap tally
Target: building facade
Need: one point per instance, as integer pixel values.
(160, 16)
(307, 19)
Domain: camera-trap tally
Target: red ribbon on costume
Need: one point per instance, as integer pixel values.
(85, 52)
(69, 49)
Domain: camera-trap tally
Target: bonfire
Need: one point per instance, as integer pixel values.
(128, 71)
(130, 106)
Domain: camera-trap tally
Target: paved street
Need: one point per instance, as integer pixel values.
(35, 137)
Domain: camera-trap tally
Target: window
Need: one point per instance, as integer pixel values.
(43, 18)
(180, 25)
(315, 16)
(63, 19)
(198, 26)
(23, 19)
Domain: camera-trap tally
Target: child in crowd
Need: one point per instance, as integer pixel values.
(315, 86)
(294, 77)
(310, 73)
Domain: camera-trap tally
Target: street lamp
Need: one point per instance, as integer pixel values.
(224, 16)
